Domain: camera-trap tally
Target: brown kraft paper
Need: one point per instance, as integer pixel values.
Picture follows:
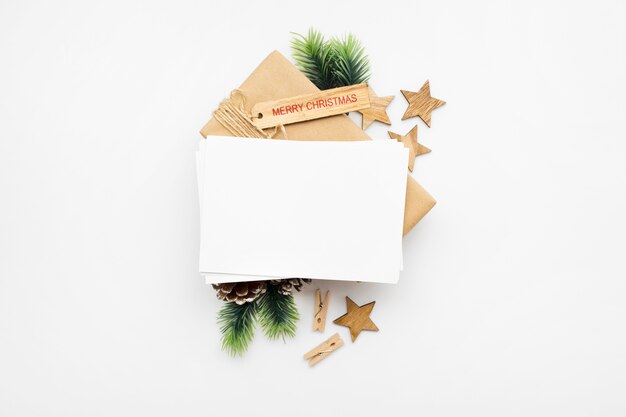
(276, 78)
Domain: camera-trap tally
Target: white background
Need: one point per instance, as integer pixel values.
(512, 301)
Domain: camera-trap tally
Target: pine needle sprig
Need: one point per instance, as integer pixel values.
(314, 57)
(330, 63)
(237, 326)
(277, 314)
(351, 62)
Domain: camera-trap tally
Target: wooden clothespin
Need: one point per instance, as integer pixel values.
(321, 307)
(326, 348)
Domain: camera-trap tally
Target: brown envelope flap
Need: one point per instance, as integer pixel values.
(277, 78)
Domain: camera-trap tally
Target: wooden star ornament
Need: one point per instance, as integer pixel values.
(421, 103)
(410, 141)
(357, 318)
(376, 111)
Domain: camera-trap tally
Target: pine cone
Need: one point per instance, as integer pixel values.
(286, 286)
(240, 292)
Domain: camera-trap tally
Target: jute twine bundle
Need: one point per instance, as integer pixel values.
(232, 114)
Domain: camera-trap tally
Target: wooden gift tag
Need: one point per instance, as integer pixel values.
(310, 106)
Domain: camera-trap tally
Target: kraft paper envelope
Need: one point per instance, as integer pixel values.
(277, 78)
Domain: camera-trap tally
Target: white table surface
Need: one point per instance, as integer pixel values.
(512, 301)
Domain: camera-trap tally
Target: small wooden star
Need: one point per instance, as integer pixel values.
(377, 110)
(357, 318)
(410, 141)
(421, 103)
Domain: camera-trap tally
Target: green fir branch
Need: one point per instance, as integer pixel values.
(278, 314)
(330, 63)
(314, 58)
(237, 326)
(351, 62)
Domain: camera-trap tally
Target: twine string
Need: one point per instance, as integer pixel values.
(232, 115)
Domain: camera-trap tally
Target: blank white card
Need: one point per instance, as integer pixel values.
(322, 210)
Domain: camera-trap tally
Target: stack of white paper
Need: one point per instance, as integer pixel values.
(281, 209)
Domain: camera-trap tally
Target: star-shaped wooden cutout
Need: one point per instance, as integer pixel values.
(357, 318)
(421, 103)
(410, 141)
(376, 111)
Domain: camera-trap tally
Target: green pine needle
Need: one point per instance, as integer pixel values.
(278, 314)
(330, 63)
(351, 62)
(314, 58)
(237, 326)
